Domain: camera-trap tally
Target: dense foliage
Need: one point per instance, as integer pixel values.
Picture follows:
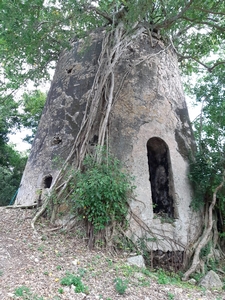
(207, 170)
(32, 104)
(102, 192)
(11, 162)
(10, 175)
(24, 113)
(33, 33)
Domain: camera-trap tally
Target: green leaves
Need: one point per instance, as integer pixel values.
(101, 192)
(208, 167)
(32, 105)
(210, 91)
(71, 279)
(12, 164)
(34, 33)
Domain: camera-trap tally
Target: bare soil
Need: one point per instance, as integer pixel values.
(38, 262)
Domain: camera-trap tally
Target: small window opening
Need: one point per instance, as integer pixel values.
(47, 182)
(94, 140)
(160, 177)
(56, 140)
(69, 71)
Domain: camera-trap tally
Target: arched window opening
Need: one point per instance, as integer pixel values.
(160, 177)
(47, 182)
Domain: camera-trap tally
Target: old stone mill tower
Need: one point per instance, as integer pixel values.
(149, 131)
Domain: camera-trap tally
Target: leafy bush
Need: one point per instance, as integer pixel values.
(120, 285)
(21, 291)
(11, 171)
(206, 174)
(163, 278)
(71, 279)
(170, 296)
(102, 191)
(207, 169)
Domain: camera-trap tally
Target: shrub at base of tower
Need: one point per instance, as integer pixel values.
(100, 196)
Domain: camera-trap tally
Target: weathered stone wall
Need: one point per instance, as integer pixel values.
(60, 120)
(152, 104)
(150, 107)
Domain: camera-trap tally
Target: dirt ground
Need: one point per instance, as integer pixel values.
(33, 265)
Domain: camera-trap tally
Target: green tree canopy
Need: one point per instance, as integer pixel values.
(8, 120)
(11, 161)
(32, 104)
(207, 170)
(10, 174)
(209, 127)
(33, 33)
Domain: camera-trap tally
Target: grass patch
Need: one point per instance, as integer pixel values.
(71, 279)
(25, 293)
(120, 285)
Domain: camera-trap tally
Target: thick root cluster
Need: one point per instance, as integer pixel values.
(99, 103)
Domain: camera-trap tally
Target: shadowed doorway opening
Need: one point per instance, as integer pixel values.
(160, 177)
(47, 182)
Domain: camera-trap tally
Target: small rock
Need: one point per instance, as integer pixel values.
(11, 295)
(178, 291)
(192, 281)
(211, 281)
(138, 275)
(66, 220)
(75, 262)
(137, 261)
(133, 254)
(66, 289)
(36, 260)
(72, 289)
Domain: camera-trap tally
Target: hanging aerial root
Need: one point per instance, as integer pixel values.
(99, 103)
(206, 234)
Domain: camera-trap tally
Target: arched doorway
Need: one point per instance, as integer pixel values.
(160, 176)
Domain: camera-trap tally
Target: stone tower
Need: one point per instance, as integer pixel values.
(149, 131)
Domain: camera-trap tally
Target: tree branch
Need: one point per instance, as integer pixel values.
(168, 22)
(185, 29)
(211, 25)
(216, 64)
(209, 69)
(210, 12)
(99, 12)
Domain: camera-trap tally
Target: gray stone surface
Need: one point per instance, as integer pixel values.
(150, 108)
(192, 281)
(137, 261)
(211, 281)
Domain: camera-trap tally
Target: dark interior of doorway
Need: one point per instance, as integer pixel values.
(47, 182)
(160, 176)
